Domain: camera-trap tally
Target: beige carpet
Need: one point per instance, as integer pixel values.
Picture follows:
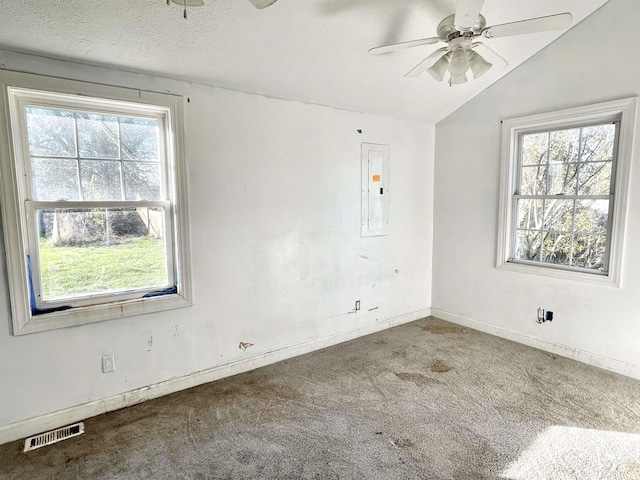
(425, 400)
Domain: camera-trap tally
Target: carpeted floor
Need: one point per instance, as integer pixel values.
(425, 400)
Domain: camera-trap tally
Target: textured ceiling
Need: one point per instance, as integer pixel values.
(308, 50)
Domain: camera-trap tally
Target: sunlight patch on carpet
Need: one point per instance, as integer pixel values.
(570, 452)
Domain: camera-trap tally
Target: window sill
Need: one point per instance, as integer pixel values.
(97, 313)
(590, 278)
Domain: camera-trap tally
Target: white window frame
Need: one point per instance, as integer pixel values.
(623, 111)
(19, 89)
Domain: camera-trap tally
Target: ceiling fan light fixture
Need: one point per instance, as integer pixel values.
(459, 62)
(438, 69)
(457, 79)
(479, 66)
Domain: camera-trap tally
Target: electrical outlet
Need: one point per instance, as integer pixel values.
(108, 363)
(544, 315)
(357, 305)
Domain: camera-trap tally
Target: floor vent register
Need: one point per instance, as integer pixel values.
(53, 436)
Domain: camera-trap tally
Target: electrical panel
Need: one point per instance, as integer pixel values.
(375, 189)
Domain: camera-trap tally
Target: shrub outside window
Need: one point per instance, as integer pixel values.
(96, 196)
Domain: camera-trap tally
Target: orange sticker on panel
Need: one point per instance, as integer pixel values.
(375, 178)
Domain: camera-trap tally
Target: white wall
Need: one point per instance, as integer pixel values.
(601, 325)
(277, 255)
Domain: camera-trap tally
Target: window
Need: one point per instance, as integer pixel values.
(94, 219)
(564, 191)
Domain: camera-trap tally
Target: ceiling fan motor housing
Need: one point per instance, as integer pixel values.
(447, 30)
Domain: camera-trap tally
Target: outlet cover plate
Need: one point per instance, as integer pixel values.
(108, 363)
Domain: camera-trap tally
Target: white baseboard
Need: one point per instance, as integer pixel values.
(583, 356)
(49, 421)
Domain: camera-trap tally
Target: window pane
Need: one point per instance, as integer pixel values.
(561, 178)
(564, 145)
(51, 132)
(530, 214)
(595, 179)
(591, 216)
(556, 248)
(533, 180)
(535, 148)
(97, 136)
(54, 179)
(142, 181)
(139, 138)
(85, 252)
(597, 143)
(589, 251)
(558, 215)
(527, 245)
(100, 180)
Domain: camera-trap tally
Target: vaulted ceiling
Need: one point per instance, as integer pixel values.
(309, 50)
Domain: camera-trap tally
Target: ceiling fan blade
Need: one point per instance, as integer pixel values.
(262, 3)
(426, 63)
(467, 12)
(533, 25)
(399, 46)
(490, 54)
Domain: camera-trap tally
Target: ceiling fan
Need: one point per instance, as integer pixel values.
(461, 54)
(198, 3)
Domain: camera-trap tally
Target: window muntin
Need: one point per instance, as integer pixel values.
(564, 196)
(111, 153)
